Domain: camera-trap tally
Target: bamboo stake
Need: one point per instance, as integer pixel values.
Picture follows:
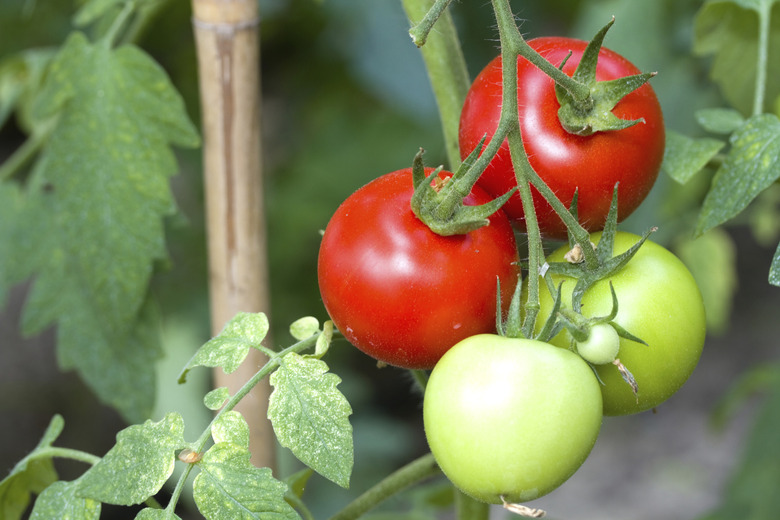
(226, 33)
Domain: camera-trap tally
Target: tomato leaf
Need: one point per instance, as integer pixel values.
(61, 501)
(712, 261)
(229, 486)
(215, 399)
(156, 514)
(684, 156)
(304, 327)
(719, 120)
(229, 349)
(99, 193)
(774, 270)
(231, 427)
(751, 166)
(138, 465)
(32, 474)
(728, 30)
(311, 416)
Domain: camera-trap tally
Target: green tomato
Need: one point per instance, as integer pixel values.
(602, 345)
(510, 419)
(658, 302)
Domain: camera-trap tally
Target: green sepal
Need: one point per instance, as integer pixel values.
(443, 211)
(594, 113)
(552, 326)
(607, 264)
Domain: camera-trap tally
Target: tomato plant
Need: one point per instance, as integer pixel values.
(660, 303)
(510, 419)
(587, 164)
(398, 291)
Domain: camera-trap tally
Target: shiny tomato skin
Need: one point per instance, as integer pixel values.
(510, 419)
(401, 293)
(567, 162)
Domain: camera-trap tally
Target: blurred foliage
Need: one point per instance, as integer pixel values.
(346, 99)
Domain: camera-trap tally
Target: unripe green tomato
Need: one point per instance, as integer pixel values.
(511, 418)
(659, 302)
(602, 345)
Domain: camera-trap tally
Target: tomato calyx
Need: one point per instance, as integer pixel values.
(594, 113)
(439, 202)
(602, 264)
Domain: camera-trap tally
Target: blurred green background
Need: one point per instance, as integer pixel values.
(346, 99)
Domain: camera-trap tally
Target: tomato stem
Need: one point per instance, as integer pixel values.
(466, 508)
(445, 64)
(764, 15)
(414, 472)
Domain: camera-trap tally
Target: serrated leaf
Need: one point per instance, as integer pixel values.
(712, 260)
(728, 30)
(310, 416)
(229, 349)
(215, 399)
(304, 327)
(231, 427)
(774, 269)
(138, 465)
(229, 486)
(100, 188)
(156, 514)
(685, 156)
(719, 120)
(752, 492)
(60, 501)
(29, 475)
(752, 164)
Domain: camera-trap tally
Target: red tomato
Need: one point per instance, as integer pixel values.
(398, 291)
(567, 162)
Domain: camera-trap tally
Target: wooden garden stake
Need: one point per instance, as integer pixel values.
(227, 38)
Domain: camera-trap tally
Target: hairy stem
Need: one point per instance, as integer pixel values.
(764, 16)
(416, 471)
(469, 509)
(446, 67)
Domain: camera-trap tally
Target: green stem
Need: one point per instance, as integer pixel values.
(419, 32)
(146, 14)
(446, 67)
(764, 16)
(112, 35)
(466, 508)
(416, 471)
(68, 453)
(519, 46)
(26, 151)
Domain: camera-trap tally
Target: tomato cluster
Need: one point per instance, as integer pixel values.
(509, 419)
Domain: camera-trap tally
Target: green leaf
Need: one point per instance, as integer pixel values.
(774, 270)
(60, 501)
(229, 486)
(100, 194)
(215, 399)
(156, 514)
(719, 120)
(323, 340)
(30, 475)
(304, 327)
(712, 259)
(752, 492)
(20, 77)
(229, 349)
(684, 156)
(138, 465)
(231, 427)
(751, 166)
(311, 416)
(729, 30)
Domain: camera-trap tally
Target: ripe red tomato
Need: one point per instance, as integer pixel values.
(567, 162)
(398, 291)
